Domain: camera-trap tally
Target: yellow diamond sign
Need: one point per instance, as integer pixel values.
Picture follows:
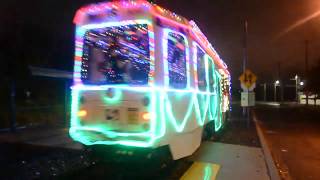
(248, 79)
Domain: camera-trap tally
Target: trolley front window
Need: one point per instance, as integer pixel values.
(116, 55)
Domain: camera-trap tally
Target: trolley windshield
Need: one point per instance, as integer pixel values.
(116, 55)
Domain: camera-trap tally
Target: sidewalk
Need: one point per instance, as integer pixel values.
(236, 149)
(236, 161)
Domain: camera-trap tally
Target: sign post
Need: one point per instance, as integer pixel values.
(248, 83)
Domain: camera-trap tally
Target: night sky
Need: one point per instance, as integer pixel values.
(41, 32)
(223, 23)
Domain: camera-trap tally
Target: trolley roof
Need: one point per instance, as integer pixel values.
(82, 15)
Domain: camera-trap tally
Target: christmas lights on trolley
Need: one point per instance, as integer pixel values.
(145, 77)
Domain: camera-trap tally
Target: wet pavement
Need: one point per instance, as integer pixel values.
(293, 136)
(25, 161)
(236, 161)
(52, 136)
(239, 130)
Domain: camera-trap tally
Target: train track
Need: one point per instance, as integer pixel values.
(24, 161)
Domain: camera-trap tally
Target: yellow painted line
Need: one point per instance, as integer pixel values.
(201, 170)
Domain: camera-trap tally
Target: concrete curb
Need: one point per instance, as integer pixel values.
(271, 165)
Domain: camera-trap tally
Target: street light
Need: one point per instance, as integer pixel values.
(297, 79)
(298, 82)
(301, 83)
(276, 83)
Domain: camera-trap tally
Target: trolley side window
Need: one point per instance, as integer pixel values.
(225, 85)
(201, 69)
(211, 75)
(116, 55)
(177, 61)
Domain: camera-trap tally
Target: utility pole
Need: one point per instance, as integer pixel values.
(245, 59)
(13, 76)
(265, 92)
(297, 83)
(281, 84)
(307, 56)
(12, 105)
(306, 68)
(245, 50)
(275, 93)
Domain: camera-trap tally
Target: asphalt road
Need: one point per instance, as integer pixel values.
(293, 134)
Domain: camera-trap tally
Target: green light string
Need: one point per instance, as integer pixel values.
(218, 123)
(172, 119)
(207, 172)
(115, 99)
(201, 115)
(161, 108)
(213, 98)
(75, 126)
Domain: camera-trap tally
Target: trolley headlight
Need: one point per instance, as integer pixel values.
(146, 116)
(82, 113)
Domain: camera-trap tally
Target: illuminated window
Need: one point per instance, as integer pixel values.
(201, 69)
(116, 55)
(211, 75)
(177, 61)
(225, 86)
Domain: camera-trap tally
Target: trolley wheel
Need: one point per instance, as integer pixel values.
(208, 131)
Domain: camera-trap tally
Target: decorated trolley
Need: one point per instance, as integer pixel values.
(145, 77)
